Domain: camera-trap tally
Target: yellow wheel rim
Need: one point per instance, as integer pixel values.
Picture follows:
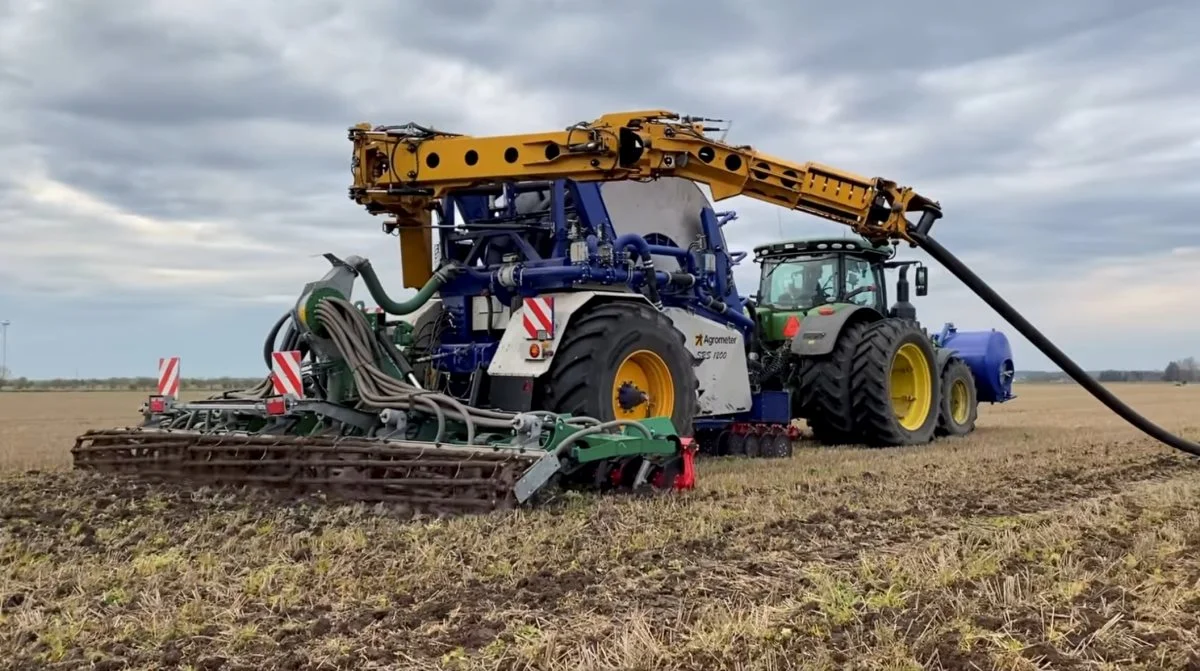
(643, 387)
(911, 386)
(959, 402)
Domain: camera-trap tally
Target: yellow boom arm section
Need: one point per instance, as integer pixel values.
(399, 169)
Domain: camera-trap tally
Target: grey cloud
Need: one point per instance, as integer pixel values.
(129, 67)
(1051, 132)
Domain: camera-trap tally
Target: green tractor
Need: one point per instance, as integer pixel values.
(858, 370)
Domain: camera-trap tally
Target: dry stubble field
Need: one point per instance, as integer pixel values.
(1056, 537)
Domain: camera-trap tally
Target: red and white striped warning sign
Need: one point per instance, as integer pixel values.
(538, 317)
(285, 373)
(168, 376)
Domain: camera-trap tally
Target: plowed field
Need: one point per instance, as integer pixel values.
(1055, 537)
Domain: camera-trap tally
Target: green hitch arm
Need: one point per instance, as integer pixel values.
(371, 279)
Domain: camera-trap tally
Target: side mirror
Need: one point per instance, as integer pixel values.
(922, 280)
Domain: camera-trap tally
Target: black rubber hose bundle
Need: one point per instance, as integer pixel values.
(1010, 314)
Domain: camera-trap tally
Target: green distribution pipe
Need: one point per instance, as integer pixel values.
(371, 279)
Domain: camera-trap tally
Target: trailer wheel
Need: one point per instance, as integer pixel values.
(896, 390)
(624, 360)
(753, 446)
(736, 446)
(723, 443)
(777, 446)
(959, 408)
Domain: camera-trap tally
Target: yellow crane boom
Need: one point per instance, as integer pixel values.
(399, 169)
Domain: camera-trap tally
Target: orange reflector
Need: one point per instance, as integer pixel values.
(825, 310)
(792, 327)
(535, 350)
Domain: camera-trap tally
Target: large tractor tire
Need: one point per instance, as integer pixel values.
(624, 360)
(959, 407)
(895, 388)
(822, 389)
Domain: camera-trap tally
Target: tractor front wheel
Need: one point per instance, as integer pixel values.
(896, 390)
(624, 360)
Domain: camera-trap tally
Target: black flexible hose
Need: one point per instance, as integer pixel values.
(269, 345)
(993, 299)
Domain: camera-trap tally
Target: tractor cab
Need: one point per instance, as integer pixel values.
(799, 276)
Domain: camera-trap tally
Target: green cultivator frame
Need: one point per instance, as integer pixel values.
(342, 414)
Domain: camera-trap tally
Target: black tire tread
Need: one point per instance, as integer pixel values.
(573, 370)
(874, 417)
(823, 389)
(954, 369)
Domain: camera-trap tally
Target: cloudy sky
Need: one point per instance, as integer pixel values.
(171, 171)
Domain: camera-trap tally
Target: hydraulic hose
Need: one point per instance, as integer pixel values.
(390, 306)
(1010, 314)
(269, 345)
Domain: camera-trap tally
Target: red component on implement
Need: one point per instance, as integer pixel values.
(687, 479)
(168, 376)
(158, 404)
(285, 373)
(792, 327)
(276, 405)
(538, 317)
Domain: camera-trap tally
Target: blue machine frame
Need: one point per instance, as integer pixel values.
(509, 254)
(571, 241)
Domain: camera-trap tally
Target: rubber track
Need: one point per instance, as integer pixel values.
(572, 374)
(874, 417)
(823, 387)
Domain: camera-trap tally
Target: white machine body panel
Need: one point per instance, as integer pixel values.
(513, 356)
(722, 373)
(499, 313)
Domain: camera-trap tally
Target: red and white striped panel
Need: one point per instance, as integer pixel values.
(538, 317)
(168, 376)
(285, 373)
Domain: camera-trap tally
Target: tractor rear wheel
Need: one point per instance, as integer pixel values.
(624, 360)
(896, 390)
(822, 389)
(959, 407)
(825, 434)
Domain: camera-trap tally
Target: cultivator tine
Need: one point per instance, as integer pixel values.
(413, 473)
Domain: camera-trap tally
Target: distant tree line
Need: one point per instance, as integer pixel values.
(1180, 371)
(1183, 371)
(147, 384)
